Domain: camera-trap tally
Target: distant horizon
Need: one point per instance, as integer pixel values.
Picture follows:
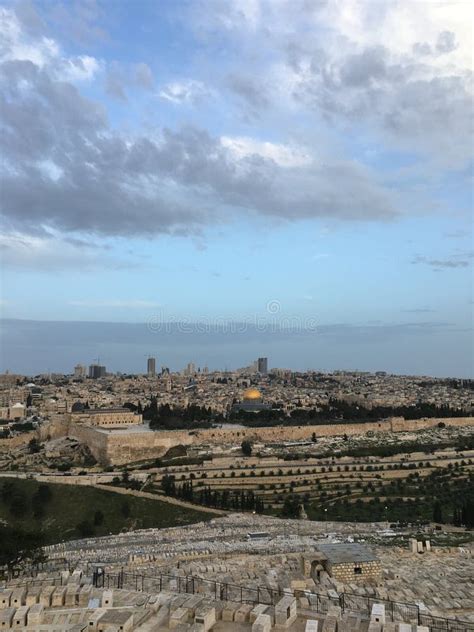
(33, 347)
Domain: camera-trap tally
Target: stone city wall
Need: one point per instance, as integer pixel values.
(118, 448)
(399, 424)
(97, 442)
(51, 430)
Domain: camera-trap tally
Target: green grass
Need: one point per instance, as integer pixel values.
(70, 505)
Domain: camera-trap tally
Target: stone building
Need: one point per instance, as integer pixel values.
(347, 563)
(111, 417)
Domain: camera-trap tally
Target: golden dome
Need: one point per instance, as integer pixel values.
(251, 394)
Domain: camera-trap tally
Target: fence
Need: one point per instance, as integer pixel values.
(224, 591)
(348, 602)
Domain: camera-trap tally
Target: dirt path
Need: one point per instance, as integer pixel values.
(166, 499)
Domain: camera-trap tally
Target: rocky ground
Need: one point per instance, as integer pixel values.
(49, 454)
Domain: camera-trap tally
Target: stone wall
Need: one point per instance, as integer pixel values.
(117, 447)
(107, 417)
(346, 573)
(57, 427)
(399, 424)
(97, 442)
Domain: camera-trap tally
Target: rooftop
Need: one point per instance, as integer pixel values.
(344, 553)
(98, 411)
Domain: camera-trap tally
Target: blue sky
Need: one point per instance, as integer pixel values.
(205, 160)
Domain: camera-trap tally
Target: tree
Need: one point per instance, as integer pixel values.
(18, 504)
(168, 484)
(18, 547)
(437, 512)
(34, 446)
(246, 447)
(6, 493)
(85, 528)
(291, 506)
(44, 493)
(40, 498)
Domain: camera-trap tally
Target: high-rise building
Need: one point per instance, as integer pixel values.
(80, 371)
(190, 369)
(151, 367)
(262, 366)
(96, 371)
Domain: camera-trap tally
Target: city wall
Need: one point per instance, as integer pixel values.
(399, 424)
(117, 448)
(120, 447)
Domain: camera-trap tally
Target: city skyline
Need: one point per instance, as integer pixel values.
(35, 347)
(242, 161)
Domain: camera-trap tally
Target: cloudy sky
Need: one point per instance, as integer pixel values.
(300, 161)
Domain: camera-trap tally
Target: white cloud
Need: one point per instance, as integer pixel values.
(50, 169)
(283, 155)
(82, 68)
(42, 51)
(398, 24)
(185, 91)
(15, 45)
(53, 252)
(246, 15)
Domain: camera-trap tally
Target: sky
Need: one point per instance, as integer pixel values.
(301, 167)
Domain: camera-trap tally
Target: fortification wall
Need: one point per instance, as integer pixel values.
(54, 429)
(117, 448)
(126, 448)
(138, 446)
(96, 441)
(277, 434)
(399, 424)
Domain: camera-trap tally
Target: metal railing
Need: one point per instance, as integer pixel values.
(320, 603)
(225, 591)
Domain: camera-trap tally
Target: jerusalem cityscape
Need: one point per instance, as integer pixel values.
(236, 316)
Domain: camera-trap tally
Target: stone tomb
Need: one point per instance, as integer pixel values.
(19, 618)
(263, 623)
(205, 616)
(5, 598)
(17, 598)
(114, 620)
(35, 614)
(378, 613)
(351, 563)
(6, 617)
(285, 612)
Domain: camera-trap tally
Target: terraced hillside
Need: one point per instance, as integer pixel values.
(406, 486)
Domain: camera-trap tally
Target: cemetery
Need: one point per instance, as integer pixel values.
(298, 575)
